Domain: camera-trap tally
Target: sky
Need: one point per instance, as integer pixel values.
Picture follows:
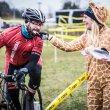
(51, 5)
(45, 5)
(106, 3)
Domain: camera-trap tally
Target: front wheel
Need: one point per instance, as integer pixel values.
(35, 104)
(38, 100)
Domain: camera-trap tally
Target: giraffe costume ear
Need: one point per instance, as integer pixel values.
(101, 13)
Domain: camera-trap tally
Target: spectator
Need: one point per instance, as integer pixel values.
(97, 34)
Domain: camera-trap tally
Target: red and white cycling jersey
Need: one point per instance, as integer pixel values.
(18, 48)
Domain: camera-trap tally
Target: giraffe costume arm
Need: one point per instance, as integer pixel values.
(74, 45)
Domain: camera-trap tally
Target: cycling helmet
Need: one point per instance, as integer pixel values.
(33, 14)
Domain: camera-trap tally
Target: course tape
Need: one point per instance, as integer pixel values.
(75, 18)
(12, 21)
(63, 19)
(67, 30)
(69, 24)
(67, 92)
(64, 36)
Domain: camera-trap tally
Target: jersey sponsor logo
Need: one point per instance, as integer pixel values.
(15, 47)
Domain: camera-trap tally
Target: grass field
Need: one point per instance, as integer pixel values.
(56, 77)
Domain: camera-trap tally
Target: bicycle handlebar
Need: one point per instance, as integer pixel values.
(6, 77)
(20, 84)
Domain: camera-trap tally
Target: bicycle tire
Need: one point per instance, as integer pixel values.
(40, 98)
(23, 100)
(2, 105)
(37, 100)
(6, 103)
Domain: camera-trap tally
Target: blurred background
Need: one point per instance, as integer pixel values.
(11, 10)
(60, 69)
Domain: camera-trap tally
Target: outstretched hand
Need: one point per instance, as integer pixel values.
(45, 36)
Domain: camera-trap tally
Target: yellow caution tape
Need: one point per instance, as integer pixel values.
(12, 21)
(64, 36)
(69, 24)
(67, 30)
(67, 92)
(75, 18)
(63, 20)
(62, 24)
(74, 30)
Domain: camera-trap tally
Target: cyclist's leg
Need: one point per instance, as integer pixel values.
(35, 78)
(34, 83)
(14, 95)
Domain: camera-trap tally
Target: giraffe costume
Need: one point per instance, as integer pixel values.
(99, 71)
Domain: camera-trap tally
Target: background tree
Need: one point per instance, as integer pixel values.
(70, 5)
(7, 12)
(67, 5)
(74, 6)
(4, 9)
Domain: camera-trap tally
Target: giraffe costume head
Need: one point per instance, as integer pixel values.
(98, 13)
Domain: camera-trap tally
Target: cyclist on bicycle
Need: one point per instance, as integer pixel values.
(23, 51)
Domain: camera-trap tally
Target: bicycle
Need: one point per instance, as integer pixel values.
(6, 103)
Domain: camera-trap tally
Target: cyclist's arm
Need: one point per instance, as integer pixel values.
(5, 36)
(74, 45)
(2, 40)
(35, 55)
(32, 62)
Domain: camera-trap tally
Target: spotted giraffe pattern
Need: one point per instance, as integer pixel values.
(99, 71)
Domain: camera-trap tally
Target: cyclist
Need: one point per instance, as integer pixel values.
(23, 52)
(97, 34)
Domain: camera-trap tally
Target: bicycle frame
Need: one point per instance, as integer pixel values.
(60, 98)
(23, 87)
(5, 96)
(4, 92)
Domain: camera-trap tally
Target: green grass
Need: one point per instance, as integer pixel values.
(57, 76)
(2, 59)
